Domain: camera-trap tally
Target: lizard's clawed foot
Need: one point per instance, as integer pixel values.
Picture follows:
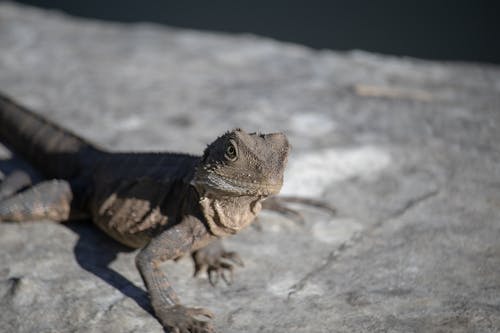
(181, 319)
(217, 262)
(279, 205)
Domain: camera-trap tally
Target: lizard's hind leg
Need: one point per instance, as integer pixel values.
(14, 182)
(279, 204)
(47, 200)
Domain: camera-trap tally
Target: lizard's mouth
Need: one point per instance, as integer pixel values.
(236, 187)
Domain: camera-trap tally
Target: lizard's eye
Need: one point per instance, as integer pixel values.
(231, 152)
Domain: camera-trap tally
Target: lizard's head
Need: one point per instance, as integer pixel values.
(240, 163)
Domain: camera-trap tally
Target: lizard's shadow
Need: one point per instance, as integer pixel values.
(95, 251)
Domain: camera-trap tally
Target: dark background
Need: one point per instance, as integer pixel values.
(438, 29)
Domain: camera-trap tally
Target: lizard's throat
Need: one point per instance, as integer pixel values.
(228, 215)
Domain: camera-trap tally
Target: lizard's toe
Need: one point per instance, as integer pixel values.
(223, 270)
(217, 262)
(181, 319)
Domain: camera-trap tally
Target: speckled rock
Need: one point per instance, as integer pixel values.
(407, 150)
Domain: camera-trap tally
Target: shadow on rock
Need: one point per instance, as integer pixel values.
(95, 251)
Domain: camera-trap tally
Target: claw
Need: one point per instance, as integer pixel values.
(222, 273)
(213, 276)
(182, 319)
(234, 258)
(201, 312)
(215, 273)
(218, 263)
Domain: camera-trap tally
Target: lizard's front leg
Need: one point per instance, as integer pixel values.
(50, 199)
(170, 244)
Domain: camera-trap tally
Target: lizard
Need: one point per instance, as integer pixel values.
(165, 204)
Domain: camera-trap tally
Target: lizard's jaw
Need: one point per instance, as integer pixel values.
(213, 182)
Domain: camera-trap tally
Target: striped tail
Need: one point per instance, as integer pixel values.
(55, 151)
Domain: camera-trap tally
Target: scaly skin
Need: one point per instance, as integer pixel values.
(166, 204)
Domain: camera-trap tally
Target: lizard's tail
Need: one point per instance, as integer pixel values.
(53, 150)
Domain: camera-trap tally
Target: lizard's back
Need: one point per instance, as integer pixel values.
(134, 195)
(128, 195)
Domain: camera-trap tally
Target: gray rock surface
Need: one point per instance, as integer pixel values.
(407, 150)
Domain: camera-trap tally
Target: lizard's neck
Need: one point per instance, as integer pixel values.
(226, 215)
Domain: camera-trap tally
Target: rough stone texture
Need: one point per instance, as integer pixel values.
(407, 150)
